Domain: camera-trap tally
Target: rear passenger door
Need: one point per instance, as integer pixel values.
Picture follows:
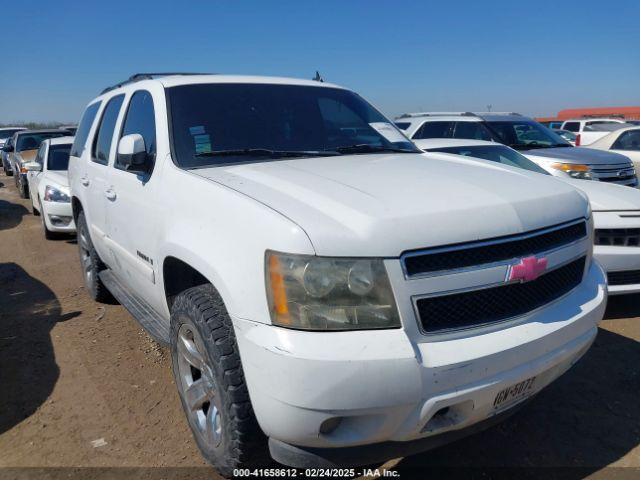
(96, 180)
(133, 213)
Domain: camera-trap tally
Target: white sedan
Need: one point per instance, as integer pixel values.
(625, 141)
(49, 186)
(616, 209)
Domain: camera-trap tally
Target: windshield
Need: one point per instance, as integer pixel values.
(31, 141)
(4, 134)
(230, 123)
(58, 157)
(494, 153)
(526, 134)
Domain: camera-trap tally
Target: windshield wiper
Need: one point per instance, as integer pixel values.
(265, 152)
(366, 148)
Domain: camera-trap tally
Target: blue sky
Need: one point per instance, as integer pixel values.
(534, 57)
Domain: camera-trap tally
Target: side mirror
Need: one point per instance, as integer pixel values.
(132, 153)
(32, 167)
(7, 148)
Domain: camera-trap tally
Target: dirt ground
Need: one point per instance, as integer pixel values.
(85, 390)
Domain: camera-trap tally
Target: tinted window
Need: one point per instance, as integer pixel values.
(572, 126)
(628, 141)
(526, 134)
(273, 120)
(58, 157)
(32, 141)
(140, 118)
(102, 144)
(434, 130)
(472, 130)
(4, 134)
(88, 117)
(494, 153)
(403, 125)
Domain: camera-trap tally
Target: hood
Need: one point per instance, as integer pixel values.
(57, 176)
(607, 196)
(26, 156)
(382, 205)
(587, 156)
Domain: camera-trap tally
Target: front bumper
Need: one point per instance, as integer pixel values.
(400, 387)
(58, 216)
(616, 259)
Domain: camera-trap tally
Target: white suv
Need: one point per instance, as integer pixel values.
(533, 140)
(321, 285)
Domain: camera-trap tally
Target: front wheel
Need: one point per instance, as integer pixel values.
(211, 384)
(91, 263)
(23, 189)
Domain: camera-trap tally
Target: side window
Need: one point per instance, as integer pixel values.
(104, 138)
(628, 141)
(403, 125)
(434, 130)
(572, 126)
(88, 117)
(140, 118)
(40, 155)
(472, 130)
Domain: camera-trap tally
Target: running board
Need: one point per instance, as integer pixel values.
(144, 314)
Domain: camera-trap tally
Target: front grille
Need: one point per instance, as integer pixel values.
(495, 250)
(622, 174)
(481, 307)
(629, 277)
(618, 237)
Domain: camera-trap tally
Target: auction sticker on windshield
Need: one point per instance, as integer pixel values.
(388, 131)
(514, 393)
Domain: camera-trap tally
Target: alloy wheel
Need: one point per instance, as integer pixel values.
(198, 387)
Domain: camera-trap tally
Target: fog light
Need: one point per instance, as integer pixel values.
(59, 220)
(329, 425)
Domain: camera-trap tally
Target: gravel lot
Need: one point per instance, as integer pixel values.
(81, 385)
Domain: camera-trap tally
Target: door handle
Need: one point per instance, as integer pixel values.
(110, 194)
(85, 181)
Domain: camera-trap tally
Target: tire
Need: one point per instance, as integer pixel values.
(34, 210)
(228, 436)
(23, 189)
(91, 264)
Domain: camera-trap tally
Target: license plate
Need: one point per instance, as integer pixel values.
(514, 393)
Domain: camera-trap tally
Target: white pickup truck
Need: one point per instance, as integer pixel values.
(588, 130)
(331, 297)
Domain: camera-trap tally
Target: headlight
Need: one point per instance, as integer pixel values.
(322, 293)
(52, 194)
(581, 172)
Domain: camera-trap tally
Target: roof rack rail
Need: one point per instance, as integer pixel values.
(516, 114)
(136, 77)
(435, 114)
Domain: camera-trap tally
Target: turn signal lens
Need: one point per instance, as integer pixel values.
(581, 172)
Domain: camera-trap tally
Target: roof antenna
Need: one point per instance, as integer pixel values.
(318, 77)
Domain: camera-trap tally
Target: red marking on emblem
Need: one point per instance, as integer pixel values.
(529, 268)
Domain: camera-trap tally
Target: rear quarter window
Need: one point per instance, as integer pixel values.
(572, 126)
(84, 127)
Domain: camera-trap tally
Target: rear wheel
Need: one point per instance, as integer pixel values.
(91, 264)
(211, 384)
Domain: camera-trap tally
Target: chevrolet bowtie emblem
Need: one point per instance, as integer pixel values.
(529, 268)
